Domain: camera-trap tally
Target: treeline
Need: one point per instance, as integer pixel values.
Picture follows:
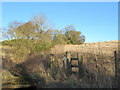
(38, 36)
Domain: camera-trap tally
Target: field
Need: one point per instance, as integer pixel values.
(98, 67)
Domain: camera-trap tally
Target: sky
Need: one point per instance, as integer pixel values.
(98, 21)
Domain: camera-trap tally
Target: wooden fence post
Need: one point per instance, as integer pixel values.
(116, 68)
(64, 62)
(68, 56)
(80, 63)
(52, 59)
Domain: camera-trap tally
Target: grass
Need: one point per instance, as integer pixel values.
(98, 66)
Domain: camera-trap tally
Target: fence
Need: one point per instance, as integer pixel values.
(75, 65)
(70, 64)
(117, 68)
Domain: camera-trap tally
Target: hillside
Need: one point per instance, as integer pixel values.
(98, 66)
(104, 47)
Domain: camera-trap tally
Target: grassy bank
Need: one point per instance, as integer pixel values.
(98, 67)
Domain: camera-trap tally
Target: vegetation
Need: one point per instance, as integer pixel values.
(28, 55)
(38, 36)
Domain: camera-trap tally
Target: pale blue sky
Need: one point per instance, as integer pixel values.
(98, 21)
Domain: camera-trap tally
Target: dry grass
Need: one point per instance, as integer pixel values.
(98, 66)
(95, 48)
(98, 61)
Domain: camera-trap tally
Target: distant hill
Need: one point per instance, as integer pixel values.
(108, 46)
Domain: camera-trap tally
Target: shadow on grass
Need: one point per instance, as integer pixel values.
(90, 75)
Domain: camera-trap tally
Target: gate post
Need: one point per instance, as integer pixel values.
(80, 64)
(52, 59)
(68, 56)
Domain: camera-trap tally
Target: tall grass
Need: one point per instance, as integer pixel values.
(98, 66)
